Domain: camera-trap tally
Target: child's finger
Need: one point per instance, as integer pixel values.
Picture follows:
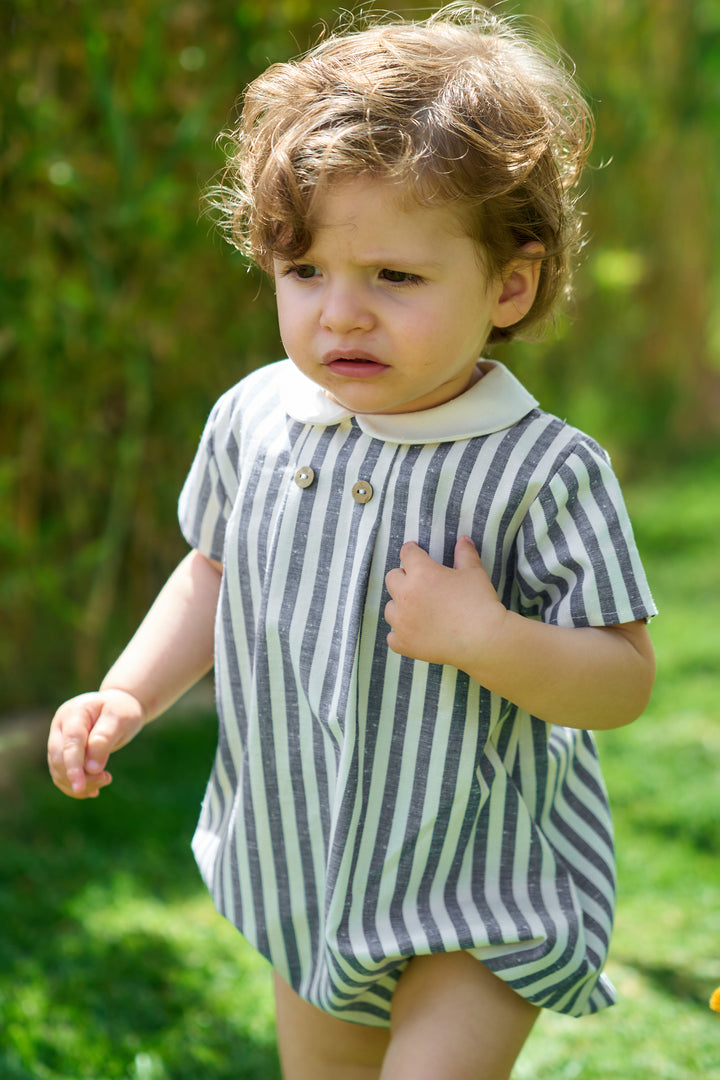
(68, 742)
(393, 581)
(120, 719)
(66, 752)
(412, 555)
(466, 554)
(101, 742)
(89, 787)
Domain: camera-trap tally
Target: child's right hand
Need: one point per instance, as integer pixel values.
(83, 734)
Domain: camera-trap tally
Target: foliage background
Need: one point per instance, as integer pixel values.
(122, 317)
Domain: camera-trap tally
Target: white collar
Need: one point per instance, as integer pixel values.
(496, 401)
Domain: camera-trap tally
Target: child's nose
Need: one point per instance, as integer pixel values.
(344, 309)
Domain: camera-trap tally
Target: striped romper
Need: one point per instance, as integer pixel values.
(364, 807)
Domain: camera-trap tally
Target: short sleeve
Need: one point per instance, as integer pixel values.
(211, 486)
(577, 562)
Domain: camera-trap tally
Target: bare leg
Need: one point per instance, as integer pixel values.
(452, 1019)
(315, 1046)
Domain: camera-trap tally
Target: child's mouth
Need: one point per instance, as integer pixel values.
(354, 367)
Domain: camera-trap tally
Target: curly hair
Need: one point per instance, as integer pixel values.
(462, 108)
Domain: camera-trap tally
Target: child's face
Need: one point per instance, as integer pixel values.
(390, 307)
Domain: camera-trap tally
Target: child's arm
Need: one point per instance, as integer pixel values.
(589, 677)
(171, 650)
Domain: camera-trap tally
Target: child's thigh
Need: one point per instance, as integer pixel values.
(316, 1046)
(452, 1019)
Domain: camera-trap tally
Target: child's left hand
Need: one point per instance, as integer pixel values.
(438, 614)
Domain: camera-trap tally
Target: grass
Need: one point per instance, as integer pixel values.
(114, 966)
(113, 963)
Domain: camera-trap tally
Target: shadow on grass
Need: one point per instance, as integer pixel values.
(674, 983)
(102, 974)
(701, 835)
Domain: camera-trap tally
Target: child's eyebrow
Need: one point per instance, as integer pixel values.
(377, 260)
(401, 259)
(424, 260)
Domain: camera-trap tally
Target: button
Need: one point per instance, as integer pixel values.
(362, 491)
(304, 476)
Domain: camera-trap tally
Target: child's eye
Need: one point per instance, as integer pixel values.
(303, 271)
(400, 277)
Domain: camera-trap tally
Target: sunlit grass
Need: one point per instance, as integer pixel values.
(113, 962)
(114, 966)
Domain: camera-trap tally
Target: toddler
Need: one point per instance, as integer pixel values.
(420, 590)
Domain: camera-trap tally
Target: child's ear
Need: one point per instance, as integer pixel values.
(519, 286)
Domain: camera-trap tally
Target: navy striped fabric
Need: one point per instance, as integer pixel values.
(364, 807)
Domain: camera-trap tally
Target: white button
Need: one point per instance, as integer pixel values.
(362, 491)
(304, 476)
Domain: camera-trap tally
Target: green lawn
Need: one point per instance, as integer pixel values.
(114, 965)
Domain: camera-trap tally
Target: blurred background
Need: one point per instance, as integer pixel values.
(123, 316)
